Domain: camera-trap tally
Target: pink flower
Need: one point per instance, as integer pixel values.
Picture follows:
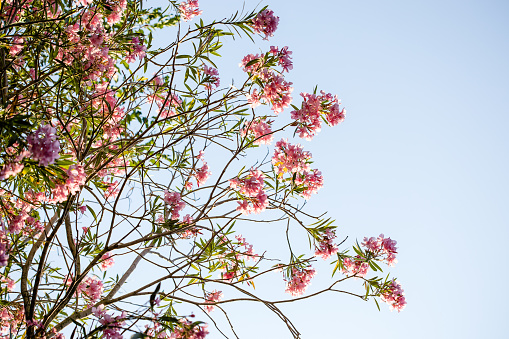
(112, 190)
(10, 170)
(266, 23)
(202, 174)
(255, 66)
(310, 181)
(260, 129)
(253, 98)
(284, 58)
(313, 108)
(211, 298)
(106, 261)
(382, 248)
(44, 145)
(91, 287)
(189, 9)
(394, 296)
(17, 45)
(188, 219)
(10, 283)
(299, 281)
(251, 187)
(326, 247)
(356, 267)
(175, 203)
(213, 77)
(290, 158)
(137, 51)
(77, 178)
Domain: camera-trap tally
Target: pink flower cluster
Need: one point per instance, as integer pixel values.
(112, 325)
(213, 77)
(311, 181)
(43, 145)
(175, 202)
(202, 174)
(276, 90)
(10, 319)
(283, 57)
(106, 261)
(112, 190)
(299, 280)
(189, 330)
(260, 129)
(92, 287)
(212, 298)
(356, 266)
(118, 9)
(326, 247)
(314, 107)
(292, 159)
(10, 283)
(137, 51)
(4, 248)
(251, 188)
(248, 251)
(76, 178)
(382, 247)
(105, 102)
(266, 23)
(13, 168)
(89, 43)
(394, 296)
(189, 9)
(241, 250)
(17, 45)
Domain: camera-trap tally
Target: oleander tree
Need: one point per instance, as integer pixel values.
(105, 148)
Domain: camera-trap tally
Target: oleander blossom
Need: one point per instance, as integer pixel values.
(355, 266)
(175, 203)
(292, 159)
(265, 23)
(326, 247)
(289, 158)
(260, 129)
(313, 109)
(92, 287)
(189, 330)
(137, 51)
(189, 9)
(4, 247)
(112, 326)
(10, 284)
(43, 145)
(275, 90)
(212, 77)
(254, 199)
(107, 261)
(382, 248)
(283, 56)
(17, 45)
(394, 296)
(212, 298)
(202, 173)
(299, 281)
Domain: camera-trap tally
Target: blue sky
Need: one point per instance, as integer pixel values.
(421, 157)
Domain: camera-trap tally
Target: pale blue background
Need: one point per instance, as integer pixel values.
(421, 157)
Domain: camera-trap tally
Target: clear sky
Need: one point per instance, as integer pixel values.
(421, 157)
